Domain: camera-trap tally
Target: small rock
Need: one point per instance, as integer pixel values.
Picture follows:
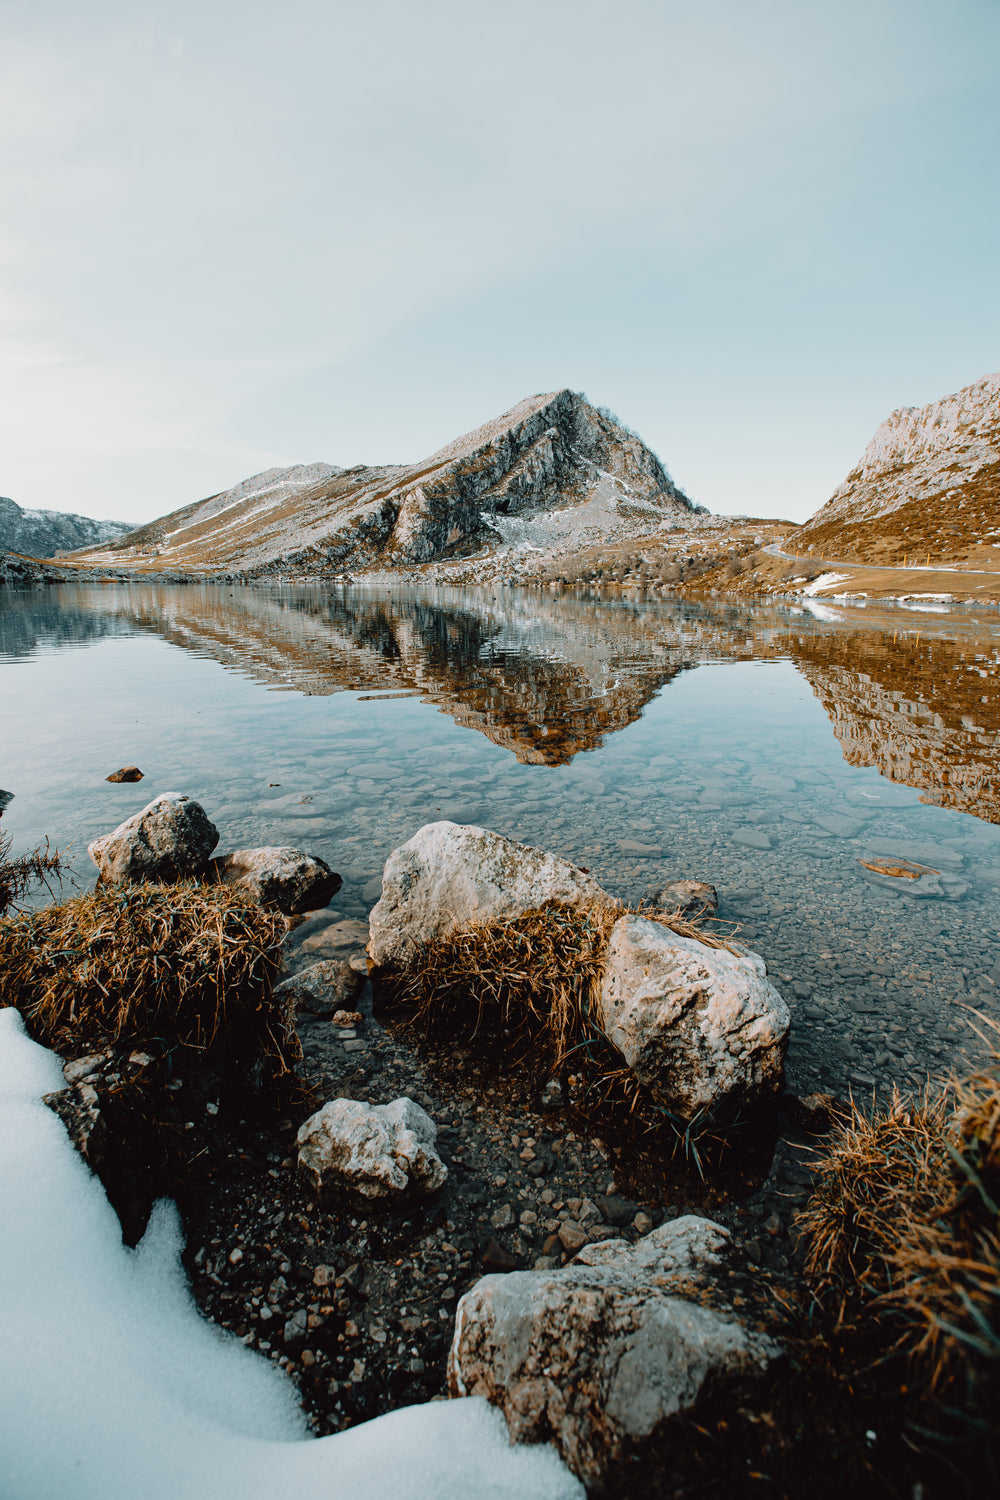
(617, 1210)
(692, 899)
(496, 1259)
(552, 1094)
(296, 1329)
(347, 1018)
(378, 1152)
(814, 1113)
(324, 1275)
(127, 773)
(572, 1236)
(324, 989)
(83, 1067)
(642, 1223)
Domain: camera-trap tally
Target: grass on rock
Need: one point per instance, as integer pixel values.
(170, 967)
(527, 990)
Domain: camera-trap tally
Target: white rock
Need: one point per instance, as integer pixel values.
(604, 1350)
(700, 1027)
(171, 837)
(451, 876)
(380, 1151)
(277, 875)
(681, 1247)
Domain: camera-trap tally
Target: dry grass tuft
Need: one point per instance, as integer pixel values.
(905, 1218)
(17, 876)
(528, 989)
(164, 967)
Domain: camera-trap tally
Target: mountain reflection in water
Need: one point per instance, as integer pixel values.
(548, 677)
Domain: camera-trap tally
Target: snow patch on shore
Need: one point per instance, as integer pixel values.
(113, 1386)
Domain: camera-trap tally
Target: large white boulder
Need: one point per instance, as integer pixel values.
(276, 875)
(373, 1151)
(171, 838)
(700, 1027)
(602, 1351)
(450, 876)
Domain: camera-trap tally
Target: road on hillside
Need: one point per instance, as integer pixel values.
(808, 559)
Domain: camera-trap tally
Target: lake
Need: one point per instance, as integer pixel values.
(769, 750)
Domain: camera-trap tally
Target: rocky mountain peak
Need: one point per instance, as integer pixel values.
(927, 485)
(552, 452)
(44, 533)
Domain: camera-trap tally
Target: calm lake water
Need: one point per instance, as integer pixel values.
(767, 749)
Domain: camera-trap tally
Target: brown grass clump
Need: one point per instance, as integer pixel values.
(905, 1219)
(528, 989)
(163, 967)
(17, 876)
(536, 974)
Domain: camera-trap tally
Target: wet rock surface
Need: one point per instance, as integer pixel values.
(125, 773)
(692, 899)
(325, 988)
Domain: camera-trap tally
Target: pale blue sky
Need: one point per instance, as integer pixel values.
(237, 235)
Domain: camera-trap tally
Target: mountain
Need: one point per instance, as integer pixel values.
(550, 453)
(927, 489)
(43, 533)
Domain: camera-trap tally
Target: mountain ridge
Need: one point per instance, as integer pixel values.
(44, 533)
(549, 453)
(926, 487)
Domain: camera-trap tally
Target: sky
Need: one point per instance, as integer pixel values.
(234, 236)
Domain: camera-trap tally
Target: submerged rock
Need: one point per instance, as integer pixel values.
(279, 876)
(380, 1152)
(604, 1350)
(700, 1027)
(126, 773)
(169, 839)
(451, 876)
(691, 899)
(909, 878)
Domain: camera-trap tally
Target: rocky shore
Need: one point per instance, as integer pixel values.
(517, 1243)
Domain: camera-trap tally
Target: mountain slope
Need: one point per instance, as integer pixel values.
(43, 533)
(927, 489)
(549, 452)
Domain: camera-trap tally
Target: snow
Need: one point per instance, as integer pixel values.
(113, 1386)
(824, 581)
